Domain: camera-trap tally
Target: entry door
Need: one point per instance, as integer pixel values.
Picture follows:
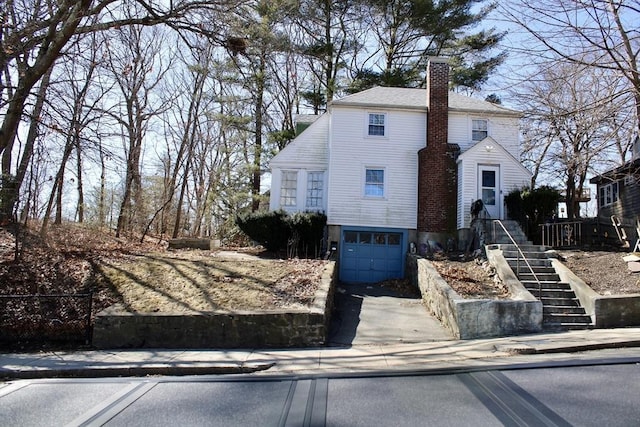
(489, 189)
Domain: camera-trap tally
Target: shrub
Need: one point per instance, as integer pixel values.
(300, 233)
(532, 207)
(268, 228)
(307, 232)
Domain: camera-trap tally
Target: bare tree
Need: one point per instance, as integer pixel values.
(34, 33)
(597, 33)
(76, 102)
(573, 117)
(137, 63)
(182, 120)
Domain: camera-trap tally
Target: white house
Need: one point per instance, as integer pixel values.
(395, 166)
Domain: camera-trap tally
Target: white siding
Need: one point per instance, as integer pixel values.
(463, 205)
(351, 151)
(307, 150)
(505, 130)
(306, 153)
(512, 176)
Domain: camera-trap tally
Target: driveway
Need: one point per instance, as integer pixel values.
(372, 314)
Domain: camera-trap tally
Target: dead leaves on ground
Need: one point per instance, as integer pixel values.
(472, 279)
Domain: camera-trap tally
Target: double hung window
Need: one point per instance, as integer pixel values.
(315, 190)
(374, 183)
(479, 130)
(377, 123)
(609, 194)
(289, 189)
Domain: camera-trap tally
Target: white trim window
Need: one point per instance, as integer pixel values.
(479, 129)
(609, 194)
(289, 189)
(315, 190)
(377, 124)
(374, 182)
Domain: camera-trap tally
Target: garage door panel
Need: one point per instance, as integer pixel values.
(395, 265)
(350, 263)
(380, 251)
(371, 256)
(365, 251)
(364, 263)
(378, 276)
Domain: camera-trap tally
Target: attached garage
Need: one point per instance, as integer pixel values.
(369, 255)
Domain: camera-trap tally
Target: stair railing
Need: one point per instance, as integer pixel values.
(524, 258)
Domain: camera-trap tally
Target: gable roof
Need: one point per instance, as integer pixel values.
(309, 149)
(490, 144)
(416, 99)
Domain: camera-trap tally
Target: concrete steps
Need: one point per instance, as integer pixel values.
(560, 306)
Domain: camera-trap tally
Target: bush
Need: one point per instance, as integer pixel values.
(270, 229)
(532, 208)
(307, 232)
(300, 233)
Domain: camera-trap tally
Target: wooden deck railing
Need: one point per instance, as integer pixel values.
(561, 234)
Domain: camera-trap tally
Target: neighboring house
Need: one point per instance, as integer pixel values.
(395, 166)
(618, 189)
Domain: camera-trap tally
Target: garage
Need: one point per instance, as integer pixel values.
(370, 255)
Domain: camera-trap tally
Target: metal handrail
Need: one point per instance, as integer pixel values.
(524, 258)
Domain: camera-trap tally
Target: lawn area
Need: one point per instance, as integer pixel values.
(184, 281)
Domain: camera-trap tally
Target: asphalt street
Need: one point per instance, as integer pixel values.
(592, 394)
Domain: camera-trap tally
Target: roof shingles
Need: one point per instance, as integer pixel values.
(416, 99)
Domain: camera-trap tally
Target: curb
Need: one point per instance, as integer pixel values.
(133, 371)
(525, 349)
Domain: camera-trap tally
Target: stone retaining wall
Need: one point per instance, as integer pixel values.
(472, 318)
(606, 311)
(117, 328)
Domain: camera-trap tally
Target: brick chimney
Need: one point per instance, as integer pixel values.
(437, 169)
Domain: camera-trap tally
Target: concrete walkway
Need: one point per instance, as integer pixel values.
(373, 314)
(356, 358)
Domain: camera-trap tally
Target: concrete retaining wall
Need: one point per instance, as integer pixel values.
(193, 243)
(116, 328)
(606, 311)
(473, 318)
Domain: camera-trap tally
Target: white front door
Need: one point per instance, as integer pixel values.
(489, 189)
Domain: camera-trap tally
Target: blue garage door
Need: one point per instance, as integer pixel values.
(371, 255)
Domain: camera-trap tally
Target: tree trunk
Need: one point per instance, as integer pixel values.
(125, 206)
(11, 194)
(102, 211)
(54, 191)
(257, 149)
(60, 188)
(183, 190)
(80, 184)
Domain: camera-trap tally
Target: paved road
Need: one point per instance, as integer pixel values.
(593, 395)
